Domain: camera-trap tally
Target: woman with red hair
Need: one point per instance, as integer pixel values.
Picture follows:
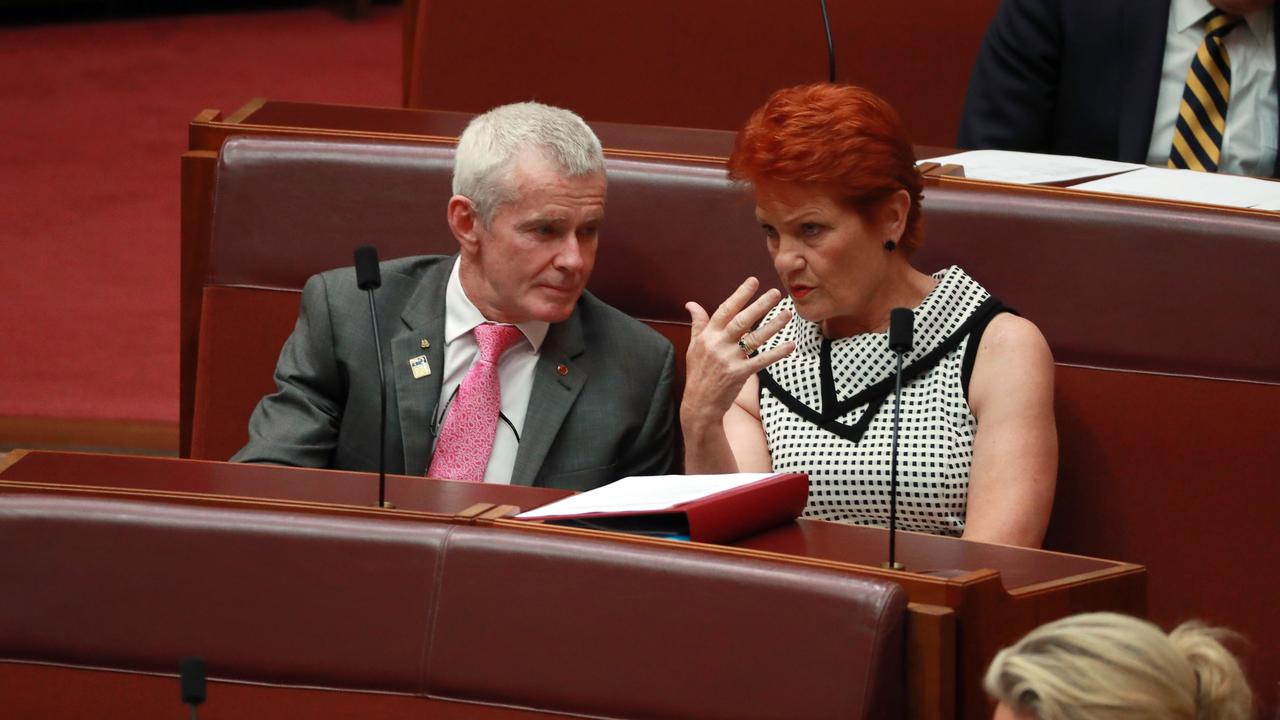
(800, 383)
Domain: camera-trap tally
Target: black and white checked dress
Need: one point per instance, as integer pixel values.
(827, 410)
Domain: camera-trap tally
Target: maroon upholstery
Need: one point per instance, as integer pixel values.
(543, 619)
(1113, 283)
(705, 64)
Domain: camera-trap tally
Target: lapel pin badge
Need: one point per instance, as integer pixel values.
(562, 369)
(424, 343)
(419, 366)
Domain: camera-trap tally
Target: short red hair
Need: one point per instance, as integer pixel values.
(841, 136)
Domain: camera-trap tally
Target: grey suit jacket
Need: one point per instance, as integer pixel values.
(609, 416)
(1070, 77)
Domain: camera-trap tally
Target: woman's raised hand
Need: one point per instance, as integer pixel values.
(722, 350)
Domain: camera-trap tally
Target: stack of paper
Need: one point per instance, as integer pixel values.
(1192, 186)
(1026, 168)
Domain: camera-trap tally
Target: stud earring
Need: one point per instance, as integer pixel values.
(890, 245)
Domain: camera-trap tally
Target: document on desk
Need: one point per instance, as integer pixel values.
(1191, 186)
(1025, 168)
(644, 494)
(704, 508)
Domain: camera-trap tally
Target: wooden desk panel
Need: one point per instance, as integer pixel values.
(265, 482)
(921, 553)
(998, 592)
(272, 117)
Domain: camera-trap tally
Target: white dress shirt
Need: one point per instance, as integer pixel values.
(1249, 144)
(515, 373)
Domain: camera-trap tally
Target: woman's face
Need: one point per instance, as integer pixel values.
(828, 257)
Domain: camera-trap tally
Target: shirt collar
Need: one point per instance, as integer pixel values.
(1188, 13)
(461, 316)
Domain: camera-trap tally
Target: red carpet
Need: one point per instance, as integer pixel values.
(93, 122)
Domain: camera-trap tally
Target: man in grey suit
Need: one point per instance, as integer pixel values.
(585, 390)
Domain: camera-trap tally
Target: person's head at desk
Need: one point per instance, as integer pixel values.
(528, 201)
(801, 379)
(1105, 666)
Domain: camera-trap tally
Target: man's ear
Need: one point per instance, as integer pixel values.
(465, 223)
(893, 215)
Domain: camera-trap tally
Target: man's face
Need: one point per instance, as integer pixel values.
(533, 259)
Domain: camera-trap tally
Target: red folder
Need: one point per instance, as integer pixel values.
(720, 517)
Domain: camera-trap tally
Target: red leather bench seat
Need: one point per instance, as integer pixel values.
(545, 619)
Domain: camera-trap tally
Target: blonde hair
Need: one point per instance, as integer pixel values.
(1104, 666)
(490, 143)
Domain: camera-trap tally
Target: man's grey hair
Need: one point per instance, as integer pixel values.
(489, 145)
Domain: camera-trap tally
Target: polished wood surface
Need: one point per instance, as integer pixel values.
(139, 436)
(274, 117)
(197, 169)
(267, 482)
(923, 554)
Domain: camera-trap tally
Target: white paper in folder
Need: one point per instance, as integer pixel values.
(644, 494)
(1026, 168)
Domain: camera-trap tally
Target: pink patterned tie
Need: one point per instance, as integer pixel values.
(466, 440)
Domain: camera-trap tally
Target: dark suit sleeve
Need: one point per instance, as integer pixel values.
(653, 452)
(1012, 97)
(298, 424)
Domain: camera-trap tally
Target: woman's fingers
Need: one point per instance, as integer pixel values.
(772, 355)
(746, 319)
(762, 334)
(734, 303)
(697, 317)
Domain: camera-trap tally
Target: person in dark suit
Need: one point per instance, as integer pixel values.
(575, 394)
(1105, 79)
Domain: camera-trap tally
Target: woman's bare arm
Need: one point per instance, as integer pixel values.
(1015, 451)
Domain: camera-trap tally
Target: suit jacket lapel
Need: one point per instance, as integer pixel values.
(550, 397)
(416, 398)
(1275, 35)
(1144, 26)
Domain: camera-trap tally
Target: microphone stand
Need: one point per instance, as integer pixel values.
(369, 278)
(893, 472)
(382, 414)
(900, 331)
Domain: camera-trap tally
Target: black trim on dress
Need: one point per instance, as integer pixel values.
(971, 350)
(875, 395)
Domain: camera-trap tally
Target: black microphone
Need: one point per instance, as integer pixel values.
(900, 329)
(831, 48)
(191, 672)
(900, 322)
(369, 278)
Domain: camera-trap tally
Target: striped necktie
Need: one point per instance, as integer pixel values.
(1202, 116)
